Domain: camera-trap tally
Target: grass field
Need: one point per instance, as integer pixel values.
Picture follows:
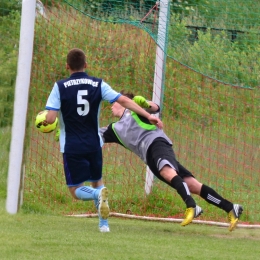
(35, 236)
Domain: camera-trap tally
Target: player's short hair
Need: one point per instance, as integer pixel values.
(76, 59)
(127, 94)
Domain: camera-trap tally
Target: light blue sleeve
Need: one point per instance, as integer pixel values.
(53, 102)
(108, 93)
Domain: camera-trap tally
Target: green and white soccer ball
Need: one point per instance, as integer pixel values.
(41, 125)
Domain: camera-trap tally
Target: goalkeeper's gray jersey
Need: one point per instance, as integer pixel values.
(136, 133)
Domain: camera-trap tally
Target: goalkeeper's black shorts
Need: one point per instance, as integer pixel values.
(159, 154)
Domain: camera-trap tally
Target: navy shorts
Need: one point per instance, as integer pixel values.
(79, 168)
(159, 154)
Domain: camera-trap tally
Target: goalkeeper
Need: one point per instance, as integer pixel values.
(154, 147)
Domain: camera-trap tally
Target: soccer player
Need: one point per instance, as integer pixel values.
(78, 99)
(154, 147)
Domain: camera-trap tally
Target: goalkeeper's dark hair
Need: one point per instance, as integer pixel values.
(76, 59)
(127, 94)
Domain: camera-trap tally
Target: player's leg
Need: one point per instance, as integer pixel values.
(103, 223)
(177, 183)
(101, 202)
(161, 161)
(81, 168)
(76, 169)
(211, 196)
(170, 175)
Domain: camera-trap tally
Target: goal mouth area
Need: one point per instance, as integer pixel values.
(213, 123)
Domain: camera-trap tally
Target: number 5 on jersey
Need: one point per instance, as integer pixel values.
(82, 111)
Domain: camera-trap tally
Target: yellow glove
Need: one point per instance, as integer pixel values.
(141, 101)
(57, 135)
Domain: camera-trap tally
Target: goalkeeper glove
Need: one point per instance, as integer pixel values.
(57, 135)
(141, 101)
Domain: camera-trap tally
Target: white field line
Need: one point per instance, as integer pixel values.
(175, 220)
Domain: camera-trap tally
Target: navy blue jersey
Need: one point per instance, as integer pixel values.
(78, 98)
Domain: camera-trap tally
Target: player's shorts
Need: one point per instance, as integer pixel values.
(159, 154)
(79, 168)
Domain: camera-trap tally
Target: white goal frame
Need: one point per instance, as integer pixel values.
(20, 105)
(159, 72)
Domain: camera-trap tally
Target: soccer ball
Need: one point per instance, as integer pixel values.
(43, 127)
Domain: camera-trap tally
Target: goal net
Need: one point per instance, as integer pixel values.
(210, 101)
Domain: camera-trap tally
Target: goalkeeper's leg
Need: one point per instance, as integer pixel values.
(161, 160)
(211, 196)
(182, 188)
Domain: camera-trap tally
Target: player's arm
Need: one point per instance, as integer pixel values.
(131, 105)
(154, 108)
(112, 96)
(51, 116)
(53, 104)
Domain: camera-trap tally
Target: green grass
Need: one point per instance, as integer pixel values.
(35, 236)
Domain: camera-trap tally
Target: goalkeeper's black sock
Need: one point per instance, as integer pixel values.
(212, 197)
(182, 188)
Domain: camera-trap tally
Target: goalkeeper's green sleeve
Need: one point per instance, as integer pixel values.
(141, 101)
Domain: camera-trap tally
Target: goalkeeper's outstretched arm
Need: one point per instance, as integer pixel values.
(149, 106)
(129, 104)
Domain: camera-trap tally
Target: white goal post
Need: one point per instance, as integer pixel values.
(158, 87)
(20, 105)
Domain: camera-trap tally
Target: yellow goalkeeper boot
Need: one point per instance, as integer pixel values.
(190, 214)
(233, 216)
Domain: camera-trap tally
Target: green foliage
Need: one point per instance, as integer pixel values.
(235, 15)
(7, 6)
(52, 3)
(239, 14)
(110, 5)
(216, 55)
(187, 6)
(9, 41)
